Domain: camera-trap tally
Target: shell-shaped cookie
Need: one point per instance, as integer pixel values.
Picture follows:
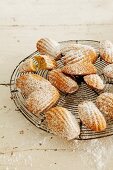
(28, 66)
(72, 57)
(49, 47)
(91, 116)
(88, 50)
(90, 53)
(86, 54)
(94, 81)
(105, 103)
(108, 71)
(61, 122)
(45, 62)
(31, 82)
(39, 101)
(62, 82)
(79, 68)
(106, 51)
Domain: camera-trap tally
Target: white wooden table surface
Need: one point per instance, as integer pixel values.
(22, 145)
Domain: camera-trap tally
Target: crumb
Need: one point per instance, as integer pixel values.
(55, 149)
(40, 143)
(45, 150)
(21, 132)
(55, 163)
(5, 106)
(15, 147)
(51, 137)
(11, 153)
(2, 137)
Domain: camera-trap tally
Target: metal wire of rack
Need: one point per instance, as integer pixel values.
(69, 101)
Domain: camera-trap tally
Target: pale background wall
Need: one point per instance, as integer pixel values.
(22, 145)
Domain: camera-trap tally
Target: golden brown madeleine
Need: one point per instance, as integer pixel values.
(79, 68)
(45, 62)
(94, 81)
(31, 82)
(61, 122)
(87, 53)
(88, 50)
(62, 82)
(105, 103)
(90, 53)
(28, 66)
(49, 47)
(41, 100)
(106, 51)
(108, 71)
(72, 57)
(91, 116)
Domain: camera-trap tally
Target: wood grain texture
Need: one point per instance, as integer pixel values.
(53, 12)
(22, 23)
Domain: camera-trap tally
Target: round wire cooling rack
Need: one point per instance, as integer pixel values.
(69, 101)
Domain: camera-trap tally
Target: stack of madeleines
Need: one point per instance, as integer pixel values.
(42, 95)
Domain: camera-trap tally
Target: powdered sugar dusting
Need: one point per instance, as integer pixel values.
(73, 56)
(91, 116)
(105, 103)
(27, 66)
(31, 83)
(94, 81)
(69, 47)
(40, 100)
(98, 153)
(37, 101)
(62, 123)
(106, 51)
(108, 71)
(79, 68)
(106, 46)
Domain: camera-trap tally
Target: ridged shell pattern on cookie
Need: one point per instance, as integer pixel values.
(31, 82)
(49, 47)
(108, 71)
(94, 81)
(91, 116)
(86, 53)
(62, 82)
(79, 68)
(61, 122)
(105, 103)
(106, 51)
(41, 100)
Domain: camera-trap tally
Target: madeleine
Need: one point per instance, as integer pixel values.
(91, 116)
(62, 82)
(62, 123)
